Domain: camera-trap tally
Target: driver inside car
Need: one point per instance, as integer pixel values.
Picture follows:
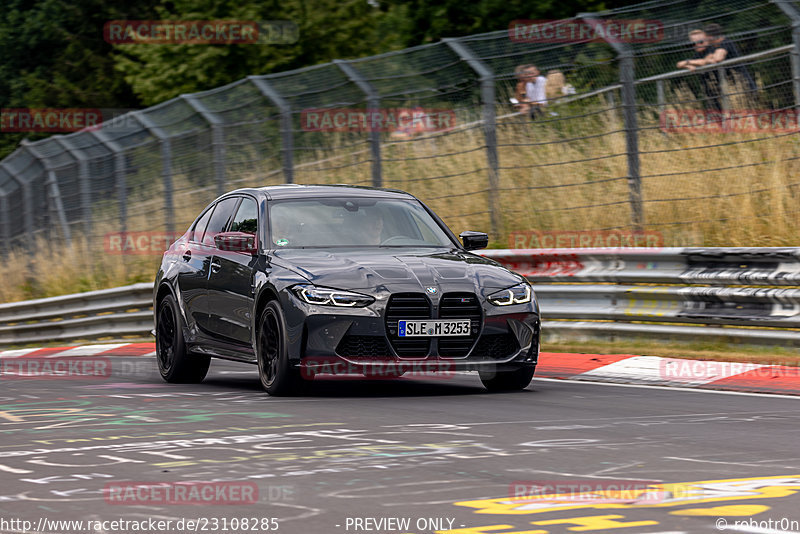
(373, 230)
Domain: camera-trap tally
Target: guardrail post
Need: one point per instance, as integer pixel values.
(166, 166)
(217, 138)
(84, 178)
(627, 80)
(287, 132)
(53, 192)
(373, 105)
(486, 79)
(792, 11)
(119, 175)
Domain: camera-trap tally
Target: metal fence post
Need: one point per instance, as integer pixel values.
(792, 11)
(660, 96)
(166, 166)
(373, 104)
(287, 132)
(631, 126)
(27, 205)
(85, 181)
(53, 192)
(723, 89)
(119, 175)
(486, 78)
(217, 138)
(5, 222)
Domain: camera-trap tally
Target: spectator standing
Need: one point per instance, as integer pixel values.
(708, 80)
(723, 48)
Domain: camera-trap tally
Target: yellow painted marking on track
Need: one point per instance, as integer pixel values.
(660, 496)
(595, 522)
(489, 529)
(735, 510)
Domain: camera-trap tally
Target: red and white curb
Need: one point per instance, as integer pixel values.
(705, 374)
(111, 349)
(620, 368)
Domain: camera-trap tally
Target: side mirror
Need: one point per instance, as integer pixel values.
(474, 240)
(236, 242)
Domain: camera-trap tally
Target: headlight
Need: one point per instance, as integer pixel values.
(519, 294)
(323, 296)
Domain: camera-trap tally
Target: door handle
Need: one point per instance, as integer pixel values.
(187, 255)
(215, 267)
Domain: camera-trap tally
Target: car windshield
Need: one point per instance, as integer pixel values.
(353, 222)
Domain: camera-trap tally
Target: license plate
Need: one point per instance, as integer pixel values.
(433, 328)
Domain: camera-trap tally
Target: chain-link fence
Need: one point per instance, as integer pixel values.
(605, 157)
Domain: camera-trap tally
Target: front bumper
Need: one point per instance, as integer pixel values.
(361, 338)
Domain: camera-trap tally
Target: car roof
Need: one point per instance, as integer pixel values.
(285, 191)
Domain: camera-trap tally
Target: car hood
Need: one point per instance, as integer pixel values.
(398, 270)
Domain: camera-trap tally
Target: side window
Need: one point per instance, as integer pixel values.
(219, 219)
(246, 219)
(200, 228)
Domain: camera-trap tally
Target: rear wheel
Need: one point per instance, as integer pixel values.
(175, 364)
(278, 377)
(508, 380)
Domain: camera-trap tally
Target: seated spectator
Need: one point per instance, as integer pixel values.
(520, 99)
(530, 90)
(557, 86)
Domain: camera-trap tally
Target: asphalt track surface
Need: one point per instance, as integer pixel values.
(414, 455)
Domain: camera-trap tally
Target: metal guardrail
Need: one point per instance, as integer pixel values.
(117, 312)
(736, 295)
(740, 295)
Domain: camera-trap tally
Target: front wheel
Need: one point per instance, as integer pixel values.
(175, 363)
(277, 375)
(508, 380)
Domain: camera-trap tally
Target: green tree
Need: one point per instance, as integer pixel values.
(54, 55)
(328, 29)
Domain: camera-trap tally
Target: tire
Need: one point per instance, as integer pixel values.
(515, 380)
(175, 364)
(278, 376)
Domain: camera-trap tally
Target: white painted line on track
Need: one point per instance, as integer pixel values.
(670, 388)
